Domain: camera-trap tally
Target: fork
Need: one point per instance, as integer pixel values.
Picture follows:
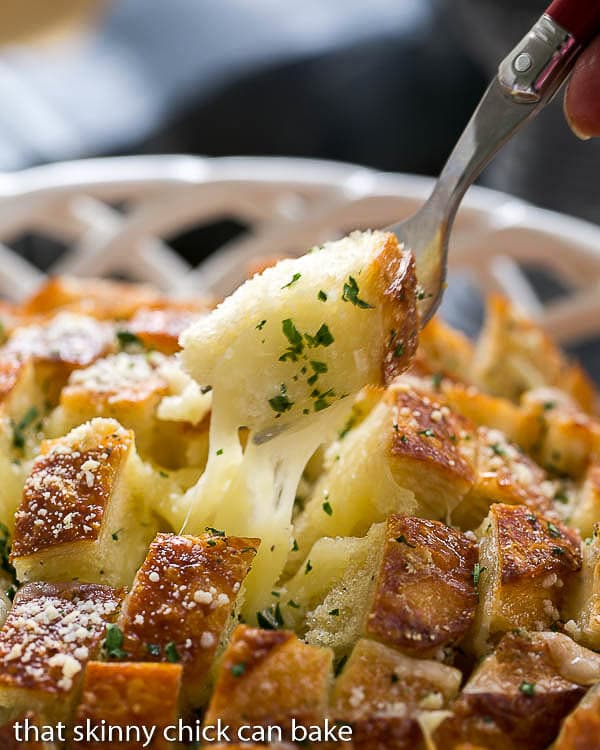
(527, 80)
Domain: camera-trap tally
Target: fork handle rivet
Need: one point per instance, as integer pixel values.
(523, 62)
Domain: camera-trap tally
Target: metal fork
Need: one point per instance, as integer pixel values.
(526, 82)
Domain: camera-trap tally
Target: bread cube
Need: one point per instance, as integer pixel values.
(381, 694)
(310, 330)
(98, 298)
(49, 635)
(581, 728)
(269, 677)
(182, 601)
(504, 474)
(586, 510)
(130, 697)
(443, 352)
(519, 425)
(517, 697)
(525, 563)
(81, 516)
(514, 355)
(160, 325)
(58, 346)
(410, 455)
(582, 610)
(571, 438)
(424, 597)
(408, 583)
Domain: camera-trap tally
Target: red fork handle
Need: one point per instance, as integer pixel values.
(581, 18)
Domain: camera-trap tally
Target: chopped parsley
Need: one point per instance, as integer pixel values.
(308, 567)
(294, 336)
(293, 280)
(115, 535)
(281, 403)
(171, 653)
(399, 350)
(561, 496)
(127, 338)
(477, 571)
(350, 294)
(323, 337)
(318, 369)
(548, 405)
(113, 642)
(220, 452)
(293, 604)
(403, 540)
(271, 618)
(426, 433)
(213, 531)
(497, 449)
(320, 401)
(334, 612)
(261, 325)
(327, 508)
(19, 428)
(554, 530)
(295, 547)
(558, 551)
(153, 649)
(436, 380)
(237, 670)
(322, 296)
(527, 688)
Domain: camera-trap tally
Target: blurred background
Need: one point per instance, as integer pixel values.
(384, 83)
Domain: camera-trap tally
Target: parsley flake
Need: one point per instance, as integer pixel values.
(127, 338)
(213, 531)
(113, 642)
(153, 649)
(554, 530)
(19, 428)
(294, 279)
(237, 670)
(322, 296)
(403, 540)
(477, 571)
(327, 508)
(294, 336)
(308, 567)
(527, 688)
(350, 294)
(261, 325)
(281, 403)
(271, 618)
(171, 653)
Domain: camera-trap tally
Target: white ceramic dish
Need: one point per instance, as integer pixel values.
(288, 205)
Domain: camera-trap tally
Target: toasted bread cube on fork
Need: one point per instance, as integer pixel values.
(526, 564)
(381, 694)
(51, 632)
(517, 697)
(81, 516)
(269, 677)
(182, 601)
(129, 697)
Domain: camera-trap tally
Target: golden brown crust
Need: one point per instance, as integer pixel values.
(160, 326)
(66, 494)
(268, 677)
(182, 600)
(515, 699)
(429, 432)
(98, 298)
(396, 285)
(443, 352)
(530, 546)
(51, 632)
(425, 597)
(581, 729)
(129, 694)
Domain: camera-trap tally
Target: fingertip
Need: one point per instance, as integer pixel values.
(582, 97)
